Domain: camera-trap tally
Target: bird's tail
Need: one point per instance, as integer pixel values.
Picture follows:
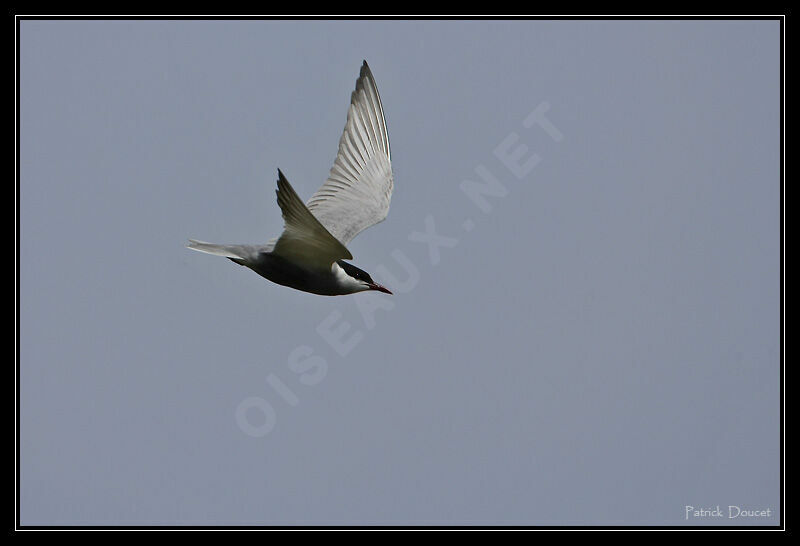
(234, 252)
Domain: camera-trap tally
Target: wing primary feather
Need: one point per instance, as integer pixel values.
(357, 192)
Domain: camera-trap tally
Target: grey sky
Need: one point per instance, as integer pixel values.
(601, 347)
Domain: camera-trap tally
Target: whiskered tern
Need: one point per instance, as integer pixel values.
(309, 255)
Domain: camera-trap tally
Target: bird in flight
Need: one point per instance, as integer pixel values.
(310, 254)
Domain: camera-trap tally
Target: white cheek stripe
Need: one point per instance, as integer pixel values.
(338, 272)
(346, 280)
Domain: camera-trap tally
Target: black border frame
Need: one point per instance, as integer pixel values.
(17, 527)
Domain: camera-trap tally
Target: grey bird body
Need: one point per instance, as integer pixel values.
(284, 272)
(309, 255)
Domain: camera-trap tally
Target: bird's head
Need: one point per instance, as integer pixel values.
(354, 279)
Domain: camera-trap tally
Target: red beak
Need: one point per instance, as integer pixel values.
(379, 288)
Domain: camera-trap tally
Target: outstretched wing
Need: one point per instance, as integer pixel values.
(359, 186)
(304, 239)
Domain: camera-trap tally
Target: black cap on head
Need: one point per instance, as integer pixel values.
(355, 272)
